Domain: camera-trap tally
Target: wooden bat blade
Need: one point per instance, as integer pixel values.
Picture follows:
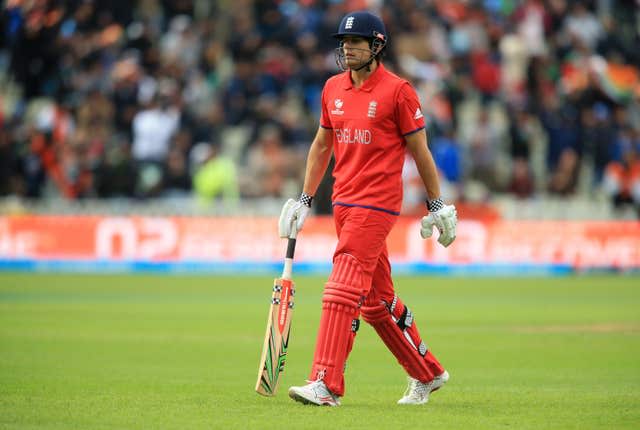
(276, 338)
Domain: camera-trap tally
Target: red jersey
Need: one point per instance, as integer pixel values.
(369, 125)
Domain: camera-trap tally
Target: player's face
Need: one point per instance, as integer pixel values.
(356, 50)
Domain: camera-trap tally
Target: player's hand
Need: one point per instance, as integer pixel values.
(445, 220)
(293, 211)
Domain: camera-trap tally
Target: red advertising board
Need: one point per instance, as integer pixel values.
(175, 239)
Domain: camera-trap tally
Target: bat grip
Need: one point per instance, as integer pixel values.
(291, 243)
(291, 249)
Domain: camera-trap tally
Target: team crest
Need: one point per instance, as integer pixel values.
(349, 24)
(371, 113)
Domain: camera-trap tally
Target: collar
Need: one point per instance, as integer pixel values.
(369, 83)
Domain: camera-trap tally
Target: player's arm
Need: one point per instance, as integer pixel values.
(317, 160)
(294, 212)
(443, 217)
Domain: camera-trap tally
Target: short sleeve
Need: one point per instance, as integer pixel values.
(408, 111)
(325, 119)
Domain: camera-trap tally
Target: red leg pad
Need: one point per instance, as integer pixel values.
(394, 324)
(343, 296)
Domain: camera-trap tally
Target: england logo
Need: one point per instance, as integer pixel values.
(349, 24)
(371, 113)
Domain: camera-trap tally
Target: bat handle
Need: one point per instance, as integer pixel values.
(294, 231)
(291, 249)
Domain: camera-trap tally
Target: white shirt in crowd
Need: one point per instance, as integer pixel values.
(152, 132)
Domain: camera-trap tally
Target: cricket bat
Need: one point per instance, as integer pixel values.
(276, 338)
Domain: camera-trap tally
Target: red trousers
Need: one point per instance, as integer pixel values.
(361, 281)
(363, 233)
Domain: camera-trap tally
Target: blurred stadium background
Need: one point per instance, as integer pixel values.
(163, 136)
(183, 114)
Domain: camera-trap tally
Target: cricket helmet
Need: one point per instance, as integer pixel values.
(362, 24)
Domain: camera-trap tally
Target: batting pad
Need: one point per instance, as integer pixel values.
(343, 295)
(395, 326)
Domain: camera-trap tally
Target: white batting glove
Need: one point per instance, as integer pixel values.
(294, 211)
(444, 218)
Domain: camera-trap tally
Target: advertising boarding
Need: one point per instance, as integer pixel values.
(90, 243)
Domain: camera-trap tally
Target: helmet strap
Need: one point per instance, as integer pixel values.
(367, 65)
(375, 46)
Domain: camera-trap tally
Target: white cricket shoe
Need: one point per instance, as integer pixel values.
(316, 393)
(417, 392)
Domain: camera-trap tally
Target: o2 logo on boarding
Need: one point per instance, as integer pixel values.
(338, 104)
(125, 238)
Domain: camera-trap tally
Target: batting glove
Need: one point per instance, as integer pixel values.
(444, 218)
(294, 211)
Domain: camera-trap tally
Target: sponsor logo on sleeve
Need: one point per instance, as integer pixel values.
(338, 110)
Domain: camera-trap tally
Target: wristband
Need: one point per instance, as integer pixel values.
(306, 199)
(435, 204)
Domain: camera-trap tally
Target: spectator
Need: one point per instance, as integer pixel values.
(513, 65)
(582, 25)
(116, 174)
(176, 180)
(485, 74)
(126, 76)
(153, 129)
(181, 44)
(533, 21)
(521, 134)
(10, 173)
(448, 156)
(564, 177)
(270, 163)
(598, 138)
(560, 123)
(483, 145)
(214, 176)
(622, 180)
(521, 183)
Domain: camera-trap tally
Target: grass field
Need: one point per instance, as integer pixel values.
(170, 352)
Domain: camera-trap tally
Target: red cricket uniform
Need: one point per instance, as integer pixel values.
(369, 125)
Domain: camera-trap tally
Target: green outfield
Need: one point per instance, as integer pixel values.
(177, 352)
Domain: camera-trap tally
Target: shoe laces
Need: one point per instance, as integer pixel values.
(319, 384)
(417, 389)
(421, 389)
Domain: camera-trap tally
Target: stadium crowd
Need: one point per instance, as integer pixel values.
(221, 99)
